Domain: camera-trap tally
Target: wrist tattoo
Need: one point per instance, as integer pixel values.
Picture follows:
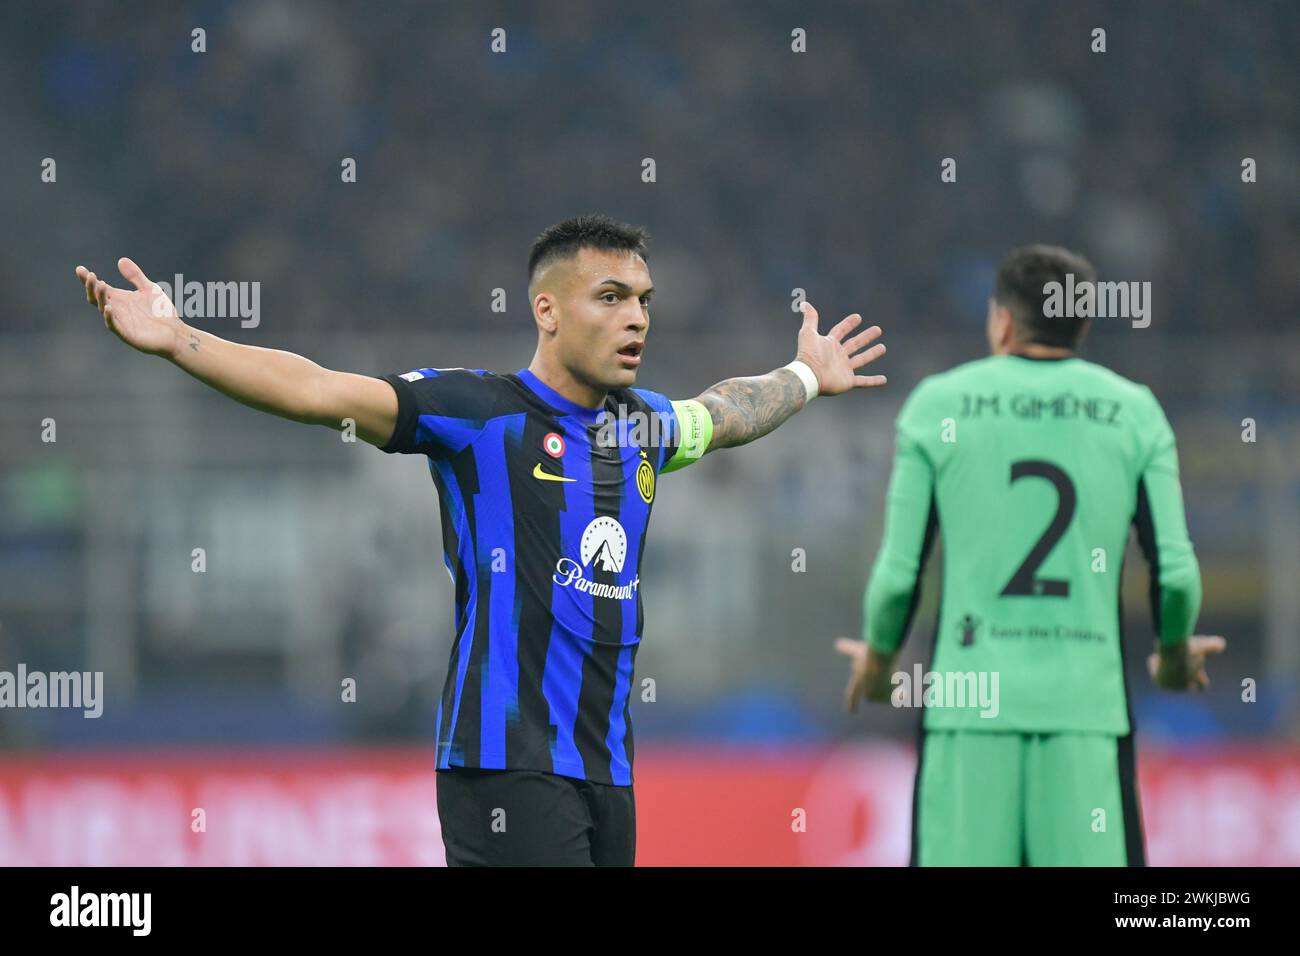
(194, 342)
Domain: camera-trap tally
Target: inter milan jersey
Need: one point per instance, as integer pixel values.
(545, 506)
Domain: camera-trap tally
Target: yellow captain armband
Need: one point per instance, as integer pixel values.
(695, 431)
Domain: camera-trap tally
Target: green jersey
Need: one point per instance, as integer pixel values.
(1031, 473)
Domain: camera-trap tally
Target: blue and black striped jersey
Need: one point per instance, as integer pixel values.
(544, 506)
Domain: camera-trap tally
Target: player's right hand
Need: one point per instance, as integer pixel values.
(870, 673)
(143, 318)
(833, 357)
(1182, 667)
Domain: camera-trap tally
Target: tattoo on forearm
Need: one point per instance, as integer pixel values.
(743, 409)
(194, 342)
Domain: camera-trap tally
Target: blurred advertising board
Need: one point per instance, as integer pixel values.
(846, 806)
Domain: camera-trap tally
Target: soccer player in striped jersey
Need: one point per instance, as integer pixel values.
(1030, 466)
(546, 479)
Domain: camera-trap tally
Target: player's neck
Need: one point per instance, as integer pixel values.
(1035, 351)
(561, 380)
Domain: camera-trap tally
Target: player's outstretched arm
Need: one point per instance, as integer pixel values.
(743, 409)
(269, 380)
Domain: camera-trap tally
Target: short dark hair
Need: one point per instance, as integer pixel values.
(1020, 288)
(564, 239)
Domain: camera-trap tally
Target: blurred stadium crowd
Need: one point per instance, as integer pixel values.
(773, 171)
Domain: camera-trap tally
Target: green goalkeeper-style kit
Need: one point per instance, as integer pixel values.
(1031, 472)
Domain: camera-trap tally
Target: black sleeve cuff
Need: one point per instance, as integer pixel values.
(402, 439)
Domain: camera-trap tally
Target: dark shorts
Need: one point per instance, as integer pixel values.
(530, 818)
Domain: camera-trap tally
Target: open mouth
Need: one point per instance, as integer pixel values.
(632, 352)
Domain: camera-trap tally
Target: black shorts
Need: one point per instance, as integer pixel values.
(530, 818)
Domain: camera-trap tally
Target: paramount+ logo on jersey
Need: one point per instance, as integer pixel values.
(604, 547)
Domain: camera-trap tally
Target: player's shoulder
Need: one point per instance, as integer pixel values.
(472, 391)
(451, 375)
(1098, 380)
(1104, 375)
(648, 398)
(467, 380)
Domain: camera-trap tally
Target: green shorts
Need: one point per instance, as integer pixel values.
(1011, 799)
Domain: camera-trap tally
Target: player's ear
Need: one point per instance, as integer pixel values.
(993, 329)
(1083, 333)
(545, 313)
(1005, 326)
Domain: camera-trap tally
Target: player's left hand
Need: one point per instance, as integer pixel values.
(833, 359)
(870, 673)
(1183, 667)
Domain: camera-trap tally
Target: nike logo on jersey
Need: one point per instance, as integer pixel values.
(545, 476)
